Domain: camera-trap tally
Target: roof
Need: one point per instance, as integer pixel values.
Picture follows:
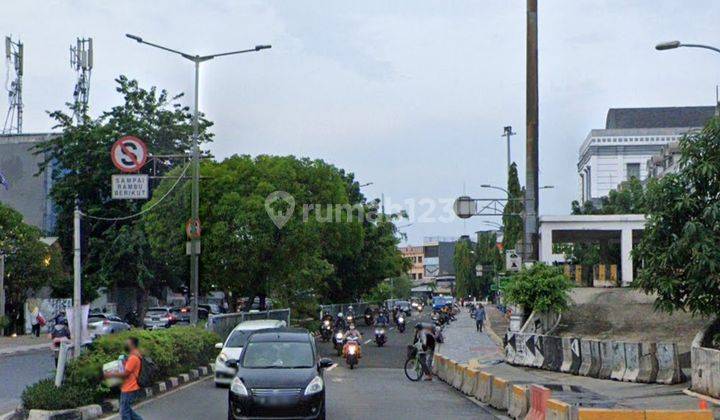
(284, 334)
(663, 117)
(259, 324)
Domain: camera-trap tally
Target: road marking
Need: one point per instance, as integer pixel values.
(369, 340)
(333, 366)
(161, 396)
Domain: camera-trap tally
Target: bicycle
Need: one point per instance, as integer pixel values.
(413, 367)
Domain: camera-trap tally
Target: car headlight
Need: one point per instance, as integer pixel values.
(237, 387)
(222, 358)
(377, 331)
(315, 386)
(326, 322)
(338, 336)
(401, 319)
(351, 350)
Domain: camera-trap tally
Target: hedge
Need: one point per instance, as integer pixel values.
(175, 350)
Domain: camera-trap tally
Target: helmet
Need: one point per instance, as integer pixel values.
(350, 308)
(419, 326)
(340, 314)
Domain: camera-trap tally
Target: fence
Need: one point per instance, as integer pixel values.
(223, 324)
(335, 308)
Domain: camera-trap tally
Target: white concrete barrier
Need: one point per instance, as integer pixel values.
(459, 376)
(606, 360)
(499, 393)
(484, 386)
(450, 371)
(618, 361)
(518, 401)
(590, 365)
(469, 384)
(669, 371)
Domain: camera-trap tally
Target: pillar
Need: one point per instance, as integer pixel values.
(626, 244)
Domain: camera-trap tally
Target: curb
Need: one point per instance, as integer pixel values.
(492, 333)
(13, 351)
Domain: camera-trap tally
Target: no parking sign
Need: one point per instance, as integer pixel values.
(129, 154)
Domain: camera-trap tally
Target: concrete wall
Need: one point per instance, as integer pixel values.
(27, 193)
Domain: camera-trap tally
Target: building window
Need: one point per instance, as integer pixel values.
(419, 259)
(419, 276)
(633, 171)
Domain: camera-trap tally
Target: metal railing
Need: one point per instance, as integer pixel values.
(335, 308)
(223, 324)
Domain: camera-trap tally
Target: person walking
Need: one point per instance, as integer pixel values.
(130, 374)
(37, 321)
(479, 317)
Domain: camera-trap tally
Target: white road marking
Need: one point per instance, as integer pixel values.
(333, 366)
(369, 340)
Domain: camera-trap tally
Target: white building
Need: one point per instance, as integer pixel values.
(630, 138)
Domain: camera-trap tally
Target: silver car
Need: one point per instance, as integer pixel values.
(103, 324)
(161, 317)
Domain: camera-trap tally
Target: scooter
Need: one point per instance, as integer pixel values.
(59, 334)
(326, 330)
(369, 319)
(338, 336)
(380, 337)
(352, 352)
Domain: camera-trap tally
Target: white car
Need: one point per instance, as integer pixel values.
(233, 346)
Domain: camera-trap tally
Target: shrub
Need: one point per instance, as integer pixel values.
(175, 351)
(541, 287)
(44, 395)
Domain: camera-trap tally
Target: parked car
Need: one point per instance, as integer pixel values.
(233, 346)
(160, 317)
(279, 375)
(183, 314)
(103, 324)
(212, 308)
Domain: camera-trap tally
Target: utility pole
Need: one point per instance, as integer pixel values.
(77, 292)
(2, 289)
(530, 245)
(15, 57)
(507, 133)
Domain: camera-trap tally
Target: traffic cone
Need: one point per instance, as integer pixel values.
(703, 405)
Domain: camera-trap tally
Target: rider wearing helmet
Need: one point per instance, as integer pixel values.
(340, 322)
(354, 335)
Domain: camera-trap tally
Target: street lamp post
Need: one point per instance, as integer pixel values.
(195, 242)
(671, 45)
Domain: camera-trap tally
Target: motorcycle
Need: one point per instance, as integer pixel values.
(352, 352)
(380, 337)
(369, 319)
(326, 330)
(338, 340)
(59, 334)
(401, 323)
(350, 319)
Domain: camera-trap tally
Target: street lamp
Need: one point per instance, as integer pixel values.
(365, 184)
(195, 242)
(671, 45)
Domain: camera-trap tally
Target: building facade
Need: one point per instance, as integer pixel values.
(27, 191)
(416, 256)
(631, 137)
(667, 161)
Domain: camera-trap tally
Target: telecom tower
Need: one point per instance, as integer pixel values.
(14, 56)
(81, 59)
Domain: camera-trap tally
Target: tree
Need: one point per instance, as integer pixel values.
(628, 198)
(539, 288)
(512, 221)
(464, 260)
(680, 247)
(324, 248)
(113, 251)
(29, 264)
(398, 287)
(488, 254)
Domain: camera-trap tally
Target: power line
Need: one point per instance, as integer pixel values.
(117, 219)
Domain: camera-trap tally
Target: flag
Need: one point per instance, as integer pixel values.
(4, 182)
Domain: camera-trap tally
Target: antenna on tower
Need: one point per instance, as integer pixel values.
(81, 60)
(14, 57)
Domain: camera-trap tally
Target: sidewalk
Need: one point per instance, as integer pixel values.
(463, 343)
(23, 343)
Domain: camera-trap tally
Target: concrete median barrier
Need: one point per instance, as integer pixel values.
(539, 352)
(618, 360)
(442, 368)
(678, 415)
(499, 393)
(571, 355)
(435, 364)
(469, 383)
(539, 396)
(450, 371)
(641, 362)
(459, 376)
(530, 349)
(609, 414)
(553, 355)
(632, 362)
(519, 349)
(557, 410)
(590, 355)
(606, 360)
(484, 386)
(518, 401)
(669, 371)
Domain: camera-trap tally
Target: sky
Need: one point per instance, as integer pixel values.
(409, 95)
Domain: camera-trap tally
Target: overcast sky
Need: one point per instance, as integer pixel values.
(410, 95)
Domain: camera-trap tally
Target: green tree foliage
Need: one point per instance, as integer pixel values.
(487, 254)
(541, 288)
(398, 287)
(628, 198)
(464, 260)
(29, 263)
(512, 221)
(114, 252)
(680, 248)
(334, 253)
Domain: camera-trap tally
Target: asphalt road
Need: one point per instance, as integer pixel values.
(19, 371)
(377, 389)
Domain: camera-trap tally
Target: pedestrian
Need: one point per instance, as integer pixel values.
(37, 321)
(131, 372)
(479, 317)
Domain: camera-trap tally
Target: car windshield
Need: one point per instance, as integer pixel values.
(278, 355)
(237, 338)
(95, 319)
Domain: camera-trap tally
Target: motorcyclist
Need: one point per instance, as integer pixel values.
(327, 317)
(382, 319)
(340, 323)
(353, 335)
